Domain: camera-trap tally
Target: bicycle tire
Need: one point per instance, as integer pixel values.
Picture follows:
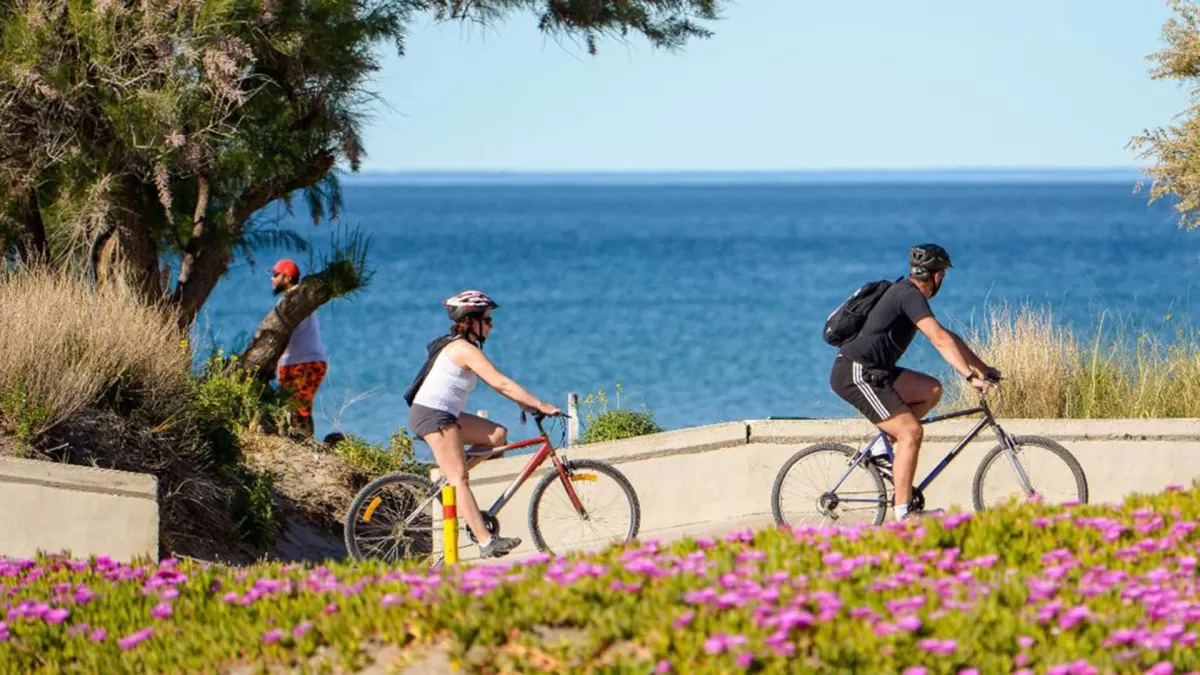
(1054, 447)
(849, 452)
(552, 477)
(350, 526)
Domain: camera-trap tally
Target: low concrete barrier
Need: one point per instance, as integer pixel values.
(54, 507)
(711, 479)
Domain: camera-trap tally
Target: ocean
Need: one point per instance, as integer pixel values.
(704, 300)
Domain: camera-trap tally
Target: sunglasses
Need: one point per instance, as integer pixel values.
(487, 321)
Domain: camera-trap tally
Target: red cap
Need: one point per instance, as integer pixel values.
(287, 267)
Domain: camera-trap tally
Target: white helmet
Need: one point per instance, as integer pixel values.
(468, 303)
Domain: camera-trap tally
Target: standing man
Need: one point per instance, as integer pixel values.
(893, 398)
(303, 364)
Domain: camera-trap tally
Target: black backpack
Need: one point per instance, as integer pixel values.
(434, 349)
(847, 320)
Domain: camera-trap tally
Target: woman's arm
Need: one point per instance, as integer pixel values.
(471, 357)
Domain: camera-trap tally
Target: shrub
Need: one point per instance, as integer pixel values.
(611, 424)
(371, 460)
(253, 505)
(65, 346)
(1050, 373)
(229, 400)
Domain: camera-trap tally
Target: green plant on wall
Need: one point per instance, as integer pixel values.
(605, 420)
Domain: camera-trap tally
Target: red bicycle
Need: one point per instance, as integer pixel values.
(391, 519)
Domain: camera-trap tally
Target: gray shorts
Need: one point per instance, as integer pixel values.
(423, 421)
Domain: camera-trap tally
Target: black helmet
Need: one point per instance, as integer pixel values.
(926, 258)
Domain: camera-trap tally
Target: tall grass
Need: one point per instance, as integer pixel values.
(1051, 372)
(65, 346)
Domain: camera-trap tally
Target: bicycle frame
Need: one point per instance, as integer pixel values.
(477, 457)
(988, 420)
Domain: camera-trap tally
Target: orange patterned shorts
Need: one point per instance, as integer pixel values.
(302, 381)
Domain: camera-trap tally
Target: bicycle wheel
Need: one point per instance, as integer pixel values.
(611, 514)
(1066, 481)
(376, 525)
(861, 497)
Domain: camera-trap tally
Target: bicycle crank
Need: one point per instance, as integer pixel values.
(490, 522)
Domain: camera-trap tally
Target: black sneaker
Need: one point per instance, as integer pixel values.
(499, 546)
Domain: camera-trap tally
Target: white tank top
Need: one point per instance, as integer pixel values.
(446, 386)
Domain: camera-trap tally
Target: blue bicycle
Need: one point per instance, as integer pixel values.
(856, 483)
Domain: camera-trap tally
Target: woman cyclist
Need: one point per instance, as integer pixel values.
(455, 363)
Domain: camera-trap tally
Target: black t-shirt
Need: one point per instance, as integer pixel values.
(890, 327)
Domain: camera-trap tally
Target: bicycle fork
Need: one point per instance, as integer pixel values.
(1010, 452)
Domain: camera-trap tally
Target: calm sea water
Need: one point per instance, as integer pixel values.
(705, 302)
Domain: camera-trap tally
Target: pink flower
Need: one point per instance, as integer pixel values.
(940, 647)
(683, 619)
(721, 642)
(56, 616)
(301, 628)
(134, 639)
(1161, 668)
(98, 635)
(745, 659)
(161, 611)
(663, 666)
(909, 623)
(915, 670)
(272, 636)
(1025, 641)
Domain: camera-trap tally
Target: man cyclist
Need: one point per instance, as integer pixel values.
(894, 399)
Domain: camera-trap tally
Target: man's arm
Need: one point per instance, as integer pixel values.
(972, 359)
(948, 345)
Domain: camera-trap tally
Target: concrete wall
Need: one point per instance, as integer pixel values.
(708, 480)
(54, 507)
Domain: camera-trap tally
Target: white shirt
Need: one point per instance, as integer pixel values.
(305, 346)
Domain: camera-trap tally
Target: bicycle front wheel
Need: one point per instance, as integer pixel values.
(807, 490)
(609, 511)
(391, 519)
(1040, 468)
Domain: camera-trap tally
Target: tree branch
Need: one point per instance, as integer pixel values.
(210, 261)
(272, 336)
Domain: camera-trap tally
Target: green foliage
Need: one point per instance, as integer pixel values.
(372, 460)
(253, 505)
(1173, 149)
(24, 414)
(229, 400)
(603, 423)
(1002, 586)
(166, 115)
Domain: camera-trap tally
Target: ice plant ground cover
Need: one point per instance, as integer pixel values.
(1035, 589)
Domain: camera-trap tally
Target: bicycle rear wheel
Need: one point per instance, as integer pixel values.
(383, 523)
(1065, 482)
(861, 497)
(611, 512)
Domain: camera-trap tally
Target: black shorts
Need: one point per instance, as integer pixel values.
(423, 421)
(870, 391)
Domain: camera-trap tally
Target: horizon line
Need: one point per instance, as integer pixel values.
(945, 174)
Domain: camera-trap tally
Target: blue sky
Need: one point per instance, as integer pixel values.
(786, 85)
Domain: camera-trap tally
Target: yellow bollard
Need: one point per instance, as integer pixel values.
(450, 524)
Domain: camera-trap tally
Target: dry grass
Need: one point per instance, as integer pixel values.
(65, 346)
(1051, 373)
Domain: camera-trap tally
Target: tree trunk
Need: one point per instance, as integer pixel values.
(32, 246)
(128, 258)
(271, 338)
